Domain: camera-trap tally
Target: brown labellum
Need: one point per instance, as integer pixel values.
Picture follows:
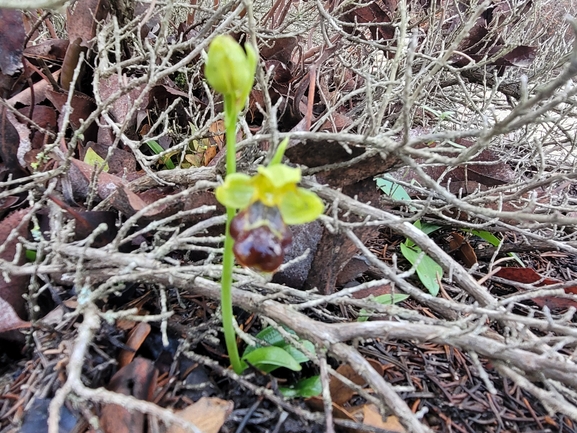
(261, 237)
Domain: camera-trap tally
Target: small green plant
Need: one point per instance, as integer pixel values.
(428, 271)
(278, 353)
(157, 149)
(268, 201)
(386, 299)
(495, 241)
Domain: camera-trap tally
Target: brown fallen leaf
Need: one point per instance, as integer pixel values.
(9, 320)
(122, 198)
(12, 37)
(462, 249)
(137, 379)
(529, 276)
(83, 18)
(11, 291)
(208, 414)
(341, 393)
(135, 339)
(372, 417)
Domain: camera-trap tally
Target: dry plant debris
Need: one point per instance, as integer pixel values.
(111, 147)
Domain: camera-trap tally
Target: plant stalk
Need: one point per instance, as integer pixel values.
(230, 115)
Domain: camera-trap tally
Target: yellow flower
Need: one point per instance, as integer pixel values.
(274, 186)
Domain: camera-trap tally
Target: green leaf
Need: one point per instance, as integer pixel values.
(280, 175)
(157, 149)
(31, 255)
(427, 270)
(273, 337)
(277, 158)
(426, 228)
(92, 158)
(236, 192)
(393, 190)
(297, 354)
(269, 335)
(387, 299)
(300, 206)
(495, 241)
(270, 358)
(309, 387)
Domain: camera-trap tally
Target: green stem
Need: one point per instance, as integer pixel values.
(230, 115)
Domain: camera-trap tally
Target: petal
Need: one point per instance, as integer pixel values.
(236, 192)
(280, 175)
(300, 206)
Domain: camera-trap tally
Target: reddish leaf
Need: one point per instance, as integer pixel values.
(135, 339)
(462, 249)
(9, 141)
(70, 63)
(83, 19)
(12, 37)
(45, 117)
(123, 199)
(522, 56)
(280, 49)
(120, 108)
(529, 276)
(52, 49)
(9, 320)
(87, 221)
(11, 291)
(378, 13)
(137, 379)
(82, 106)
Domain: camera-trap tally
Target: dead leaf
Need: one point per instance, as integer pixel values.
(9, 320)
(462, 249)
(135, 339)
(121, 107)
(316, 403)
(137, 379)
(12, 37)
(341, 393)
(83, 19)
(87, 221)
(372, 417)
(208, 414)
(529, 276)
(280, 49)
(51, 49)
(70, 63)
(82, 107)
(123, 199)
(10, 140)
(11, 291)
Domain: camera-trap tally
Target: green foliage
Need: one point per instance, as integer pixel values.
(270, 358)
(278, 353)
(92, 158)
(274, 339)
(495, 241)
(428, 271)
(387, 299)
(157, 149)
(309, 387)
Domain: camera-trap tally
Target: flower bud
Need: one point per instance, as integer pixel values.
(230, 70)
